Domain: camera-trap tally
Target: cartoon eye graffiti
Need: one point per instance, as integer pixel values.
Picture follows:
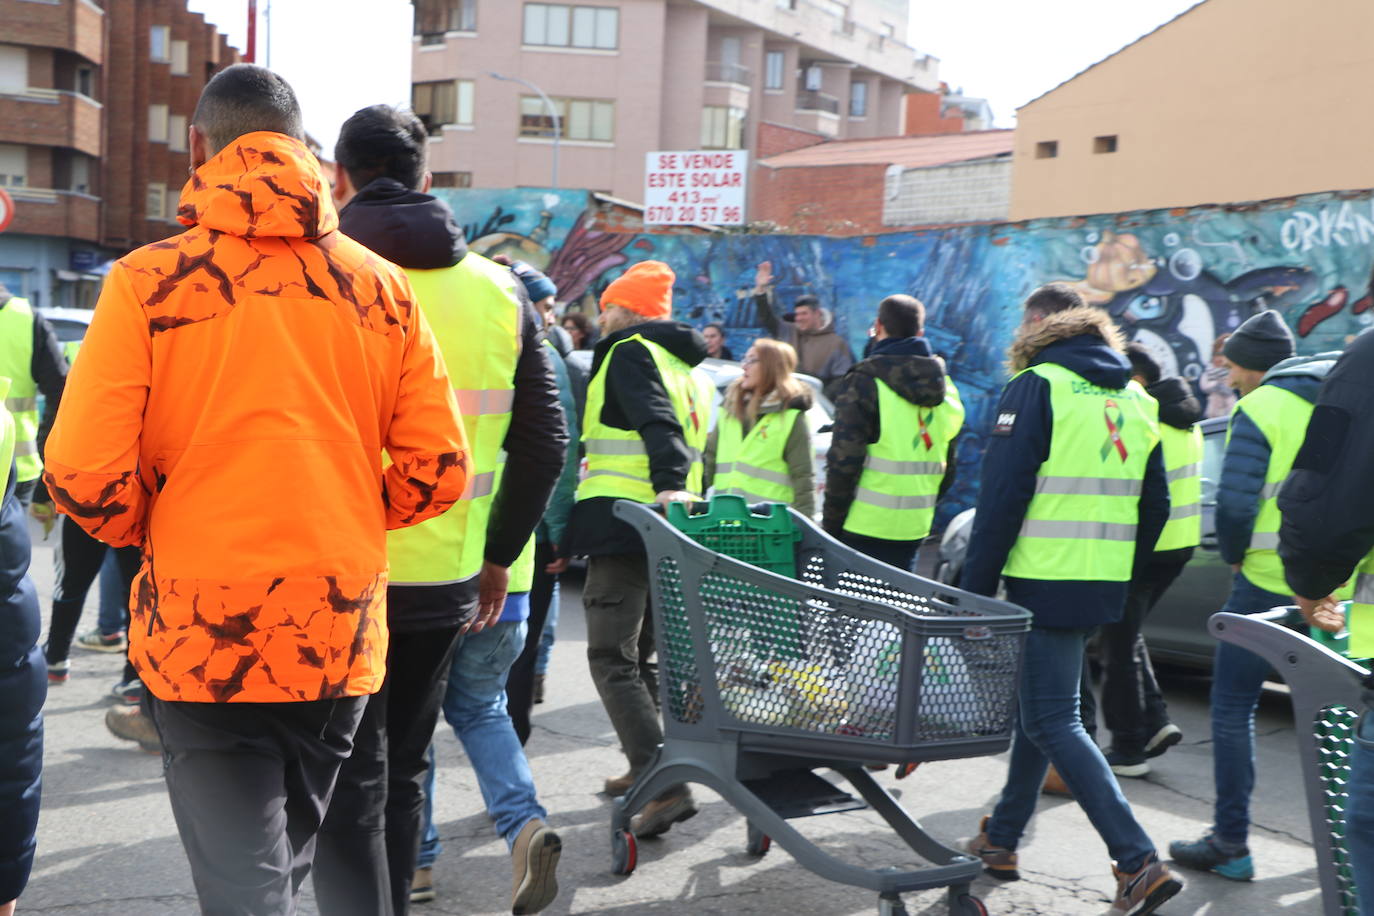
(1089, 254)
(1185, 264)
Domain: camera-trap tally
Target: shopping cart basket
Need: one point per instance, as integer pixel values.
(844, 661)
(1326, 691)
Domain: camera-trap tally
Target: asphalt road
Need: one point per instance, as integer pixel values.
(108, 846)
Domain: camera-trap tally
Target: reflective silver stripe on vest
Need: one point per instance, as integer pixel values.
(1364, 588)
(1269, 541)
(753, 470)
(1181, 512)
(604, 472)
(748, 497)
(888, 501)
(25, 449)
(1271, 490)
(1087, 486)
(888, 466)
(630, 447)
(1084, 531)
(481, 402)
(479, 486)
(16, 405)
(1188, 470)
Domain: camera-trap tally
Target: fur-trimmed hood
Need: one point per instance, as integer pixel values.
(1083, 340)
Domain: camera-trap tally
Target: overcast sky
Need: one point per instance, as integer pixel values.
(1007, 51)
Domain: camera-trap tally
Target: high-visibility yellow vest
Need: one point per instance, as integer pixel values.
(1081, 522)
(1183, 464)
(1282, 418)
(474, 311)
(1361, 619)
(753, 465)
(522, 570)
(16, 364)
(617, 463)
(7, 433)
(900, 483)
(70, 349)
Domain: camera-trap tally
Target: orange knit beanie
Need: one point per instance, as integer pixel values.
(646, 289)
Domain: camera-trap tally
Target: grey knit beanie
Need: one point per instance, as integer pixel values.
(1260, 342)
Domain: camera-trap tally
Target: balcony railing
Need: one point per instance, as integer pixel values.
(722, 72)
(811, 100)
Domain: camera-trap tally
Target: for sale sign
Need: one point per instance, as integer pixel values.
(695, 186)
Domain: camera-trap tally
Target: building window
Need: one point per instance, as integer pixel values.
(176, 133)
(858, 99)
(722, 127)
(787, 4)
(562, 26)
(452, 180)
(813, 78)
(1047, 149)
(159, 43)
(14, 69)
(81, 174)
(435, 17)
(157, 200)
(181, 58)
(14, 166)
(157, 123)
(85, 81)
(446, 102)
(1104, 144)
(775, 62)
(582, 119)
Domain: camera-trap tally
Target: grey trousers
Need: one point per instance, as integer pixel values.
(616, 597)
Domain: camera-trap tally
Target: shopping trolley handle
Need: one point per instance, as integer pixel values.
(1281, 647)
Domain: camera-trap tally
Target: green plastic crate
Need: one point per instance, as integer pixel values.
(728, 527)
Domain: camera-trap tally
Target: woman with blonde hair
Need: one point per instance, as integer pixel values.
(761, 446)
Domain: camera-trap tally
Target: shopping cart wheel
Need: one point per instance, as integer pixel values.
(891, 906)
(967, 905)
(624, 852)
(756, 842)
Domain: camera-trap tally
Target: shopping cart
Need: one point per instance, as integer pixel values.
(812, 656)
(1326, 691)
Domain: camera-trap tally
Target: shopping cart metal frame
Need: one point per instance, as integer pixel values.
(1318, 679)
(717, 752)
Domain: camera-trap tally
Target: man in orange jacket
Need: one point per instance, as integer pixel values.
(236, 392)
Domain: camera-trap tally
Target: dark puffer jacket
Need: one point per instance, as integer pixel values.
(906, 366)
(23, 687)
(1179, 407)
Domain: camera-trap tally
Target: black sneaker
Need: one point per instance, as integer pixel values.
(1164, 738)
(1229, 860)
(1132, 765)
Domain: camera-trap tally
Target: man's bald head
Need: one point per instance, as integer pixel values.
(242, 99)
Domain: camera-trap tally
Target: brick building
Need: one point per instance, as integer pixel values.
(95, 97)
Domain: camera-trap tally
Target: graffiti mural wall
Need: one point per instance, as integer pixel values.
(1175, 280)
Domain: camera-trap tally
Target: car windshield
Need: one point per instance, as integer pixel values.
(68, 331)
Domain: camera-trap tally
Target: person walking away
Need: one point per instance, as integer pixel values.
(714, 335)
(1073, 494)
(821, 351)
(1133, 707)
(1267, 425)
(449, 574)
(645, 426)
(22, 684)
(897, 415)
(261, 503)
(1326, 539)
(34, 361)
(761, 446)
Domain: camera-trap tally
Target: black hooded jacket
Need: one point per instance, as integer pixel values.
(637, 400)
(418, 232)
(906, 366)
(1179, 407)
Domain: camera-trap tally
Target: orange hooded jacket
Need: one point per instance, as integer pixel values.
(235, 393)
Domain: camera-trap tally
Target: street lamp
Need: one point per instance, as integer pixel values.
(553, 112)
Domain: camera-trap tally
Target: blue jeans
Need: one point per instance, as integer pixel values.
(1048, 730)
(546, 638)
(475, 705)
(1359, 814)
(114, 600)
(1237, 678)
(430, 846)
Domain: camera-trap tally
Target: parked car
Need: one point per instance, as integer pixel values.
(1176, 630)
(70, 325)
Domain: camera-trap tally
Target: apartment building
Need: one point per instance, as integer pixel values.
(627, 77)
(95, 97)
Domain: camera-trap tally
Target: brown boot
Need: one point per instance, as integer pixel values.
(998, 861)
(662, 813)
(132, 724)
(619, 785)
(534, 859)
(1054, 784)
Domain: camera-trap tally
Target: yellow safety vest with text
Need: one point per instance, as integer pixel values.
(474, 310)
(1183, 464)
(900, 483)
(617, 462)
(753, 465)
(7, 432)
(1081, 522)
(16, 364)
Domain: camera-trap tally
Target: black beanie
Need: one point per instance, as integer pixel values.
(1260, 342)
